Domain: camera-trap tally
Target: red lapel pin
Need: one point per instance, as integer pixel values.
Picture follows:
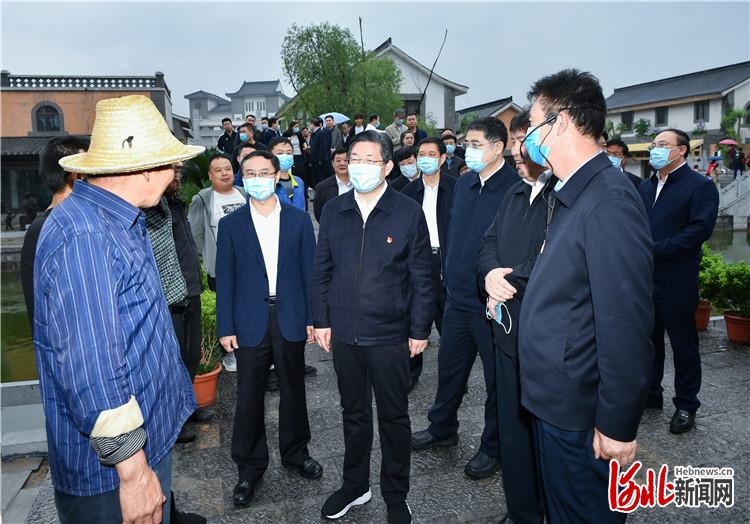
(389, 239)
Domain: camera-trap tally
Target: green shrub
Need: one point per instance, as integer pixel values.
(709, 277)
(210, 352)
(726, 286)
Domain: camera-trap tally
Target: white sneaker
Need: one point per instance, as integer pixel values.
(229, 362)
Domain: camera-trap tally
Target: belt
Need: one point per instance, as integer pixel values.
(272, 300)
(435, 250)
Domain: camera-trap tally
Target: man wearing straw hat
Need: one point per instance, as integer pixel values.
(114, 389)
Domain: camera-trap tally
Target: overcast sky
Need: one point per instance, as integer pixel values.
(495, 48)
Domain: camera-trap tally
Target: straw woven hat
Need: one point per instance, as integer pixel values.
(129, 135)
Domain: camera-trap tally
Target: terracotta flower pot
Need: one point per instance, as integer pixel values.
(702, 315)
(204, 387)
(738, 328)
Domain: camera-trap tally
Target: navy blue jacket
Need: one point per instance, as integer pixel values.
(320, 146)
(681, 220)
(373, 283)
(242, 281)
(585, 340)
(474, 209)
(446, 186)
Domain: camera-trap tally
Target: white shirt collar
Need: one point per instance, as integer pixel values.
(428, 188)
(257, 214)
(483, 180)
(366, 208)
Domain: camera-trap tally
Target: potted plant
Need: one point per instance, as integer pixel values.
(735, 297)
(207, 376)
(707, 286)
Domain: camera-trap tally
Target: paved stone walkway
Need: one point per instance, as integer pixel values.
(204, 473)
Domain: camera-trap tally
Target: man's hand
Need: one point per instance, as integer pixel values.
(310, 335)
(416, 347)
(606, 448)
(141, 498)
(323, 338)
(496, 285)
(229, 343)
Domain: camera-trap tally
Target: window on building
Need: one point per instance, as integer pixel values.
(47, 119)
(249, 106)
(727, 103)
(747, 114)
(701, 111)
(627, 120)
(662, 116)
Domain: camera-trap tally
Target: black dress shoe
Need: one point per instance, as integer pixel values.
(186, 435)
(310, 371)
(201, 415)
(482, 466)
(505, 520)
(682, 421)
(243, 494)
(426, 440)
(179, 517)
(654, 403)
(399, 513)
(310, 468)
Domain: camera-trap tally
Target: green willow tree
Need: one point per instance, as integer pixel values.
(325, 67)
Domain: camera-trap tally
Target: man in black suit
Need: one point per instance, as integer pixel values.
(434, 192)
(618, 154)
(682, 207)
(334, 185)
(584, 343)
(229, 139)
(320, 151)
(453, 163)
(373, 301)
(273, 130)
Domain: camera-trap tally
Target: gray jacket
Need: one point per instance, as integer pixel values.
(199, 216)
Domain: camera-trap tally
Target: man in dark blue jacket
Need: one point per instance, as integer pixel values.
(584, 341)
(320, 152)
(682, 206)
(263, 315)
(434, 192)
(373, 305)
(466, 330)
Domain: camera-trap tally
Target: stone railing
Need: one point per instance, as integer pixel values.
(99, 83)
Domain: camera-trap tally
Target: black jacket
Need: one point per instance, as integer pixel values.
(585, 347)
(226, 143)
(320, 146)
(635, 179)
(326, 190)
(187, 253)
(415, 190)
(513, 241)
(454, 169)
(373, 283)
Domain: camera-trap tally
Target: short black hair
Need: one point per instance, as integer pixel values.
(249, 114)
(386, 147)
(317, 121)
(244, 145)
(264, 154)
(278, 140)
(433, 140)
(492, 128)
(449, 129)
(373, 116)
(520, 121)
(683, 139)
(619, 143)
(404, 153)
(245, 126)
(272, 120)
(450, 136)
(217, 157)
(577, 92)
(226, 119)
(328, 116)
(360, 116)
(56, 148)
(264, 118)
(410, 113)
(338, 151)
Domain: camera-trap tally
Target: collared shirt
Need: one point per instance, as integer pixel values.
(429, 207)
(267, 229)
(561, 183)
(343, 188)
(365, 208)
(660, 183)
(538, 185)
(159, 227)
(103, 335)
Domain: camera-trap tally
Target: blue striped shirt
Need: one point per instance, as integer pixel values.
(102, 333)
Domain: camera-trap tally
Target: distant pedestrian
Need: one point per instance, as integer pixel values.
(395, 129)
(373, 123)
(29, 206)
(228, 139)
(411, 124)
(407, 139)
(336, 140)
(320, 151)
(290, 189)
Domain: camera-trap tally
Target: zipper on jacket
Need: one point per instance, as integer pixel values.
(359, 277)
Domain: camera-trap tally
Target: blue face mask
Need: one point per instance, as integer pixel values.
(243, 137)
(450, 148)
(377, 124)
(538, 153)
(285, 162)
(474, 159)
(259, 188)
(427, 165)
(295, 130)
(409, 171)
(399, 121)
(499, 317)
(616, 161)
(364, 177)
(659, 157)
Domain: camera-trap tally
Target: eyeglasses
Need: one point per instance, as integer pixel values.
(660, 145)
(476, 145)
(368, 161)
(259, 174)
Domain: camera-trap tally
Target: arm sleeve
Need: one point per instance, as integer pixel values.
(424, 293)
(322, 273)
(308, 256)
(90, 349)
(317, 206)
(195, 219)
(487, 259)
(619, 262)
(225, 279)
(704, 207)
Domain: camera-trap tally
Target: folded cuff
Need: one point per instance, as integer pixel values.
(117, 421)
(113, 450)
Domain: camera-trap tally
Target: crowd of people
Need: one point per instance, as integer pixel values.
(555, 266)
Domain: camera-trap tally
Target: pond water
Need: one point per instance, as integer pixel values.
(17, 354)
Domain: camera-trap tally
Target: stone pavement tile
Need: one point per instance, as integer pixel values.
(207, 436)
(43, 509)
(198, 496)
(280, 484)
(204, 464)
(307, 510)
(428, 461)
(21, 506)
(734, 357)
(272, 513)
(14, 474)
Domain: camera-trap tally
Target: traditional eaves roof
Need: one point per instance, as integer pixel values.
(488, 108)
(23, 145)
(204, 94)
(266, 87)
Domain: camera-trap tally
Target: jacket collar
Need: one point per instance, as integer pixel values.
(494, 182)
(581, 178)
(387, 202)
(674, 175)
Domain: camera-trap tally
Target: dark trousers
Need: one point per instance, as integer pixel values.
(523, 495)
(300, 170)
(464, 335)
(674, 305)
(105, 508)
(211, 282)
(320, 171)
(575, 483)
(249, 445)
(186, 318)
(416, 363)
(384, 370)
